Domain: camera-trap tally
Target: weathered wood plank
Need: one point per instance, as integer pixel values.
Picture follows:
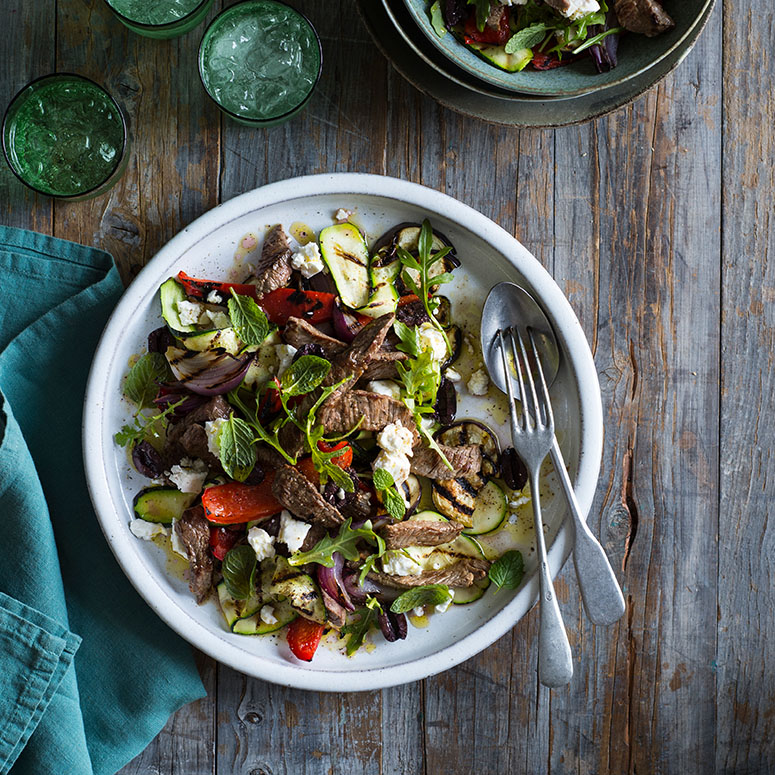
(173, 169)
(746, 629)
(26, 52)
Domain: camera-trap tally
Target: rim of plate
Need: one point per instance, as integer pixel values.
(567, 328)
(462, 57)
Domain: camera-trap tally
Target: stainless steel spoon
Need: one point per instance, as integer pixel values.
(508, 304)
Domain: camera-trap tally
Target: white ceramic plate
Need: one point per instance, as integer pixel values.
(206, 248)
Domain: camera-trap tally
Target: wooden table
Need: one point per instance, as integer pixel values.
(657, 222)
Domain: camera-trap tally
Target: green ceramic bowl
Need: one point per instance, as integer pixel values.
(637, 54)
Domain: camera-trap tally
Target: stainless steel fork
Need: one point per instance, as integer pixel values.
(533, 436)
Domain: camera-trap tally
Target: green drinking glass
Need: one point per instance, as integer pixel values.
(160, 18)
(63, 135)
(260, 61)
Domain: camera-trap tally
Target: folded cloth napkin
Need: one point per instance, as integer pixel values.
(88, 673)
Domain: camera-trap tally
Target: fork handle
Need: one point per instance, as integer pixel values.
(555, 662)
(603, 600)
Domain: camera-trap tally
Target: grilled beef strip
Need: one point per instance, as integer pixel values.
(351, 362)
(646, 17)
(194, 531)
(273, 270)
(337, 615)
(299, 333)
(188, 438)
(462, 574)
(466, 461)
(340, 414)
(419, 532)
(297, 494)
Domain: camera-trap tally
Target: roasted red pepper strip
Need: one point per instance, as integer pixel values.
(543, 61)
(202, 288)
(345, 459)
(221, 540)
(304, 637)
(232, 503)
(495, 36)
(284, 303)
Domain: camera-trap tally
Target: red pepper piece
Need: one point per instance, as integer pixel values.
(221, 540)
(232, 503)
(496, 34)
(284, 303)
(345, 459)
(201, 288)
(543, 61)
(304, 637)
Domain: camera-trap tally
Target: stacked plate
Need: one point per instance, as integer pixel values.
(454, 76)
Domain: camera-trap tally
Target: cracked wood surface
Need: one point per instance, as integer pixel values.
(656, 222)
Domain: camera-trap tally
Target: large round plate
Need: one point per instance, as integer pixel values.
(206, 248)
(637, 54)
(401, 42)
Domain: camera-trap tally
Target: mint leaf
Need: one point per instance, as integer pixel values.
(142, 382)
(344, 543)
(508, 570)
(382, 479)
(527, 37)
(304, 375)
(248, 319)
(356, 630)
(431, 594)
(235, 446)
(437, 20)
(391, 498)
(239, 569)
(146, 428)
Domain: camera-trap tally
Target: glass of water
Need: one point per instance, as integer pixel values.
(64, 136)
(160, 18)
(260, 61)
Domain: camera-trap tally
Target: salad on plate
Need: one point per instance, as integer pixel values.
(301, 435)
(512, 34)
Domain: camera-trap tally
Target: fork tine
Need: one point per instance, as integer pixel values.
(532, 403)
(546, 404)
(528, 409)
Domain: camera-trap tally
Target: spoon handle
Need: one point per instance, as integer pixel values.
(555, 662)
(603, 600)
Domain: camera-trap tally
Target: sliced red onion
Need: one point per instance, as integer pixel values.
(208, 373)
(346, 326)
(171, 393)
(358, 593)
(331, 580)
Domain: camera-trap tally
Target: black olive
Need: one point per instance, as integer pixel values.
(446, 402)
(147, 460)
(159, 340)
(513, 470)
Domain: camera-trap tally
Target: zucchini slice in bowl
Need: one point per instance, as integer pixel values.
(346, 255)
(162, 504)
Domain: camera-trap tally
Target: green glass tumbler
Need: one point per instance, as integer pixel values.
(160, 18)
(64, 136)
(260, 61)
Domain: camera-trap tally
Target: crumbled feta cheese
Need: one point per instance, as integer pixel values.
(307, 260)
(189, 312)
(395, 463)
(285, 353)
(189, 475)
(217, 318)
(292, 531)
(267, 615)
(452, 375)
(419, 611)
(261, 542)
(395, 438)
(513, 519)
(146, 530)
(384, 387)
(176, 542)
(212, 429)
(214, 297)
(514, 2)
(518, 498)
(341, 215)
(478, 383)
(406, 562)
(341, 494)
(578, 8)
(441, 607)
(432, 340)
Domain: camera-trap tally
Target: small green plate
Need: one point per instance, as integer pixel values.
(637, 53)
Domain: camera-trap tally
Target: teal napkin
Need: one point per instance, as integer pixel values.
(88, 673)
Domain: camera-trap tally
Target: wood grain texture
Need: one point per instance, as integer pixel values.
(657, 223)
(745, 683)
